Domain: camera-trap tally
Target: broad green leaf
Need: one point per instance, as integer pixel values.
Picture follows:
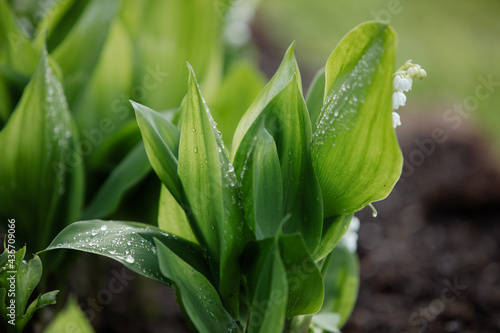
(341, 283)
(116, 146)
(71, 203)
(79, 52)
(52, 14)
(39, 158)
(212, 193)
(161, 139)
(128, 173)
(17, 53)
(355, 151)
(198, 297)
(334, 227)
(107, 92)
(315, 96)
(267, 286)
(287, 70)
(5, 101)
(166, 34)
(172, 218)
(129, 243)
(70, 318)
(262, 187)
(286, 119)
(305, 284)
(241, 85)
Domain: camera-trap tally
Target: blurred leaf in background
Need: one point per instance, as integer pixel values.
(40, 187)
(70, 319)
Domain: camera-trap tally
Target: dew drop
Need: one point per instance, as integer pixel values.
(94, 232)
(104, 227)
(129, 259)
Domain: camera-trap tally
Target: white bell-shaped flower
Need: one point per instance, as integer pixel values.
(398, 99)
(402, 82)
(396, 120)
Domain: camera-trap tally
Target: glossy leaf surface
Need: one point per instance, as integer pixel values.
(197, 295)
(129, 243)
(355, 151)
(211, 189)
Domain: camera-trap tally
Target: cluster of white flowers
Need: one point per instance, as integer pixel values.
(403, 79)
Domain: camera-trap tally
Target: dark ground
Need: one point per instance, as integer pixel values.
(440, 226)
(429, 261)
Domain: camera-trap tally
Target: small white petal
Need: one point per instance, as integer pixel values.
(398, 99)
(405, 84)
(422, 73)
(396, 120)
(413, 71)
(396, 81)
(402, 82)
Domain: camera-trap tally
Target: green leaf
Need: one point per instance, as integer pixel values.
(334, 227)
(241, 85)
(305, 284)
(39, 158)
(17, 53)
(52, 14)
(167, 34)
(355, 151)
(87, 37)
(5, 101)
(287, 70)
(42, 301)
(198, 297)
(72, 318)
(262, 187)
(161, 139)
(268, 288)
(129, 243)
(212, 192)
(286, 119)
(128, 173)
(26, 276)
(106, 93)
(172, 218)
(315, 96)
(341, 283)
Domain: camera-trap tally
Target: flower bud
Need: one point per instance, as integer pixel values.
(413, 71)
(422, 73)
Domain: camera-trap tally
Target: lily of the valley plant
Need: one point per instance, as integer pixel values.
(248, 237)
